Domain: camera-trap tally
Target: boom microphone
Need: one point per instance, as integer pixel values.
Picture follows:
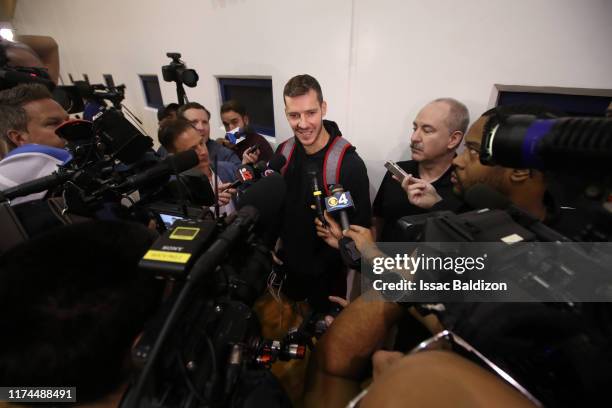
(38, 185)
(172, 165)
(483, 196)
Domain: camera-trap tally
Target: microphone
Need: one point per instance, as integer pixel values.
(276, 163)
(316, 192)
(245, 173)
(172, 165)
(267, 196)
(37, 185)
(483, 196)
(339, 202)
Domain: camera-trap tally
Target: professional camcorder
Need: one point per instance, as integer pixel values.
(573, 153)
(178, 73)
(205, 348)
(557, 345)
(560, 145)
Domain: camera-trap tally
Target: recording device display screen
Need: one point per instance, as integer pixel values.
(169, 219)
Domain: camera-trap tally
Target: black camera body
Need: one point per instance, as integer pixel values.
(178, 72)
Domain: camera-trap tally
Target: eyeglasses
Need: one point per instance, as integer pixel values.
(447, 340)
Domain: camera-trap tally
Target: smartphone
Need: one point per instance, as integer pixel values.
(396, 170)
(252, 148)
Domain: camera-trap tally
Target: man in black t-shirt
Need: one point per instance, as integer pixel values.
(437, 132)
(314, 270)
(529, 189)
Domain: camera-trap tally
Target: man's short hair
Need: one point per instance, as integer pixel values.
(302, 84)
(24, 93)
(170, 129)
(459, 116)
(12, 114)
(72, 302)
(233, 105)
(192, 105)
(166, 111)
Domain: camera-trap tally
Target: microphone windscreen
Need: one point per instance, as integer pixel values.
(277, 162)
(183, 161)
(483, 196)
(260, 167)
(267, 196)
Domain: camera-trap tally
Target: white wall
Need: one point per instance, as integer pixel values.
(378, 62)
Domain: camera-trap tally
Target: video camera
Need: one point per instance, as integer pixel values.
(528, 142)
(81, 95)
(556, 315)
(206, 347)
(524, 141)
(113, 172)
(178, 73)
(572, 152)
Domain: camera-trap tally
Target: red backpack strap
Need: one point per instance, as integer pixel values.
(286, 149)
(333, 162)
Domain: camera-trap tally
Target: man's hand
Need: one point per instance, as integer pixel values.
(250, 158)
(225, 193)
(329, 319)
(362, 236)
(331, 233)
(420, 193)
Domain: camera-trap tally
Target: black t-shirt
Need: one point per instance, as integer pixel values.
(391, 202)
(314, 270)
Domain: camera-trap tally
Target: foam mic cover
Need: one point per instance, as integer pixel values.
(277, 162)
(267, 196)
(172, 165)
(260, 167)
(483, 196)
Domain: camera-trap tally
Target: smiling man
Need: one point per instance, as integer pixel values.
(314, 270)
(437, 132)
